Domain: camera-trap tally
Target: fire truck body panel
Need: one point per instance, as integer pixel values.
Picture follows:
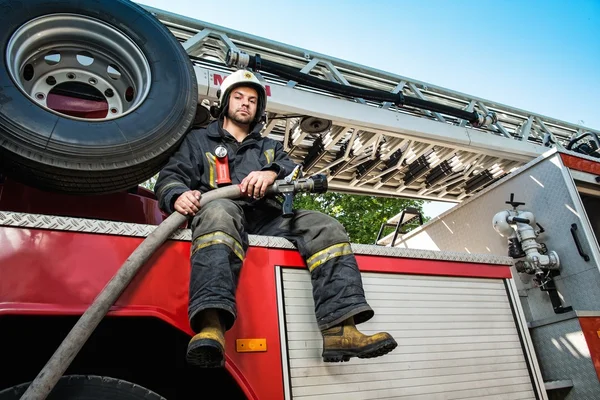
(453, 314)
(561, 189)
(458, 340)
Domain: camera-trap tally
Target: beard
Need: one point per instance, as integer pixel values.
(239, 118)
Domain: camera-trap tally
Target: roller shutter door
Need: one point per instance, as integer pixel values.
(457, 339)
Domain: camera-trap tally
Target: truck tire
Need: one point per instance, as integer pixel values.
(94, 95)
(87, 387)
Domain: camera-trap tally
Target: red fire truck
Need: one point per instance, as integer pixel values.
(94, 97)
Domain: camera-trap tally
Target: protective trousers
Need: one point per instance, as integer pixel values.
(220, 240)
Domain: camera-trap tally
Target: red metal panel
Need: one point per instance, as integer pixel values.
(590, 327)
(139, 207)
(258, 318)
(581, 164)
(51, 272)
(291, 258)
(57, 272)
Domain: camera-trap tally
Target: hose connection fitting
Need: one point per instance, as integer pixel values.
(237, 59)
(485, 120)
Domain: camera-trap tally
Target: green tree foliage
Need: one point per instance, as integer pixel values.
(149, 184)
(362, 216)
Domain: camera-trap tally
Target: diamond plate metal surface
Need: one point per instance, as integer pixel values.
(431, 255)
(562, 355)
(270, 241)
(583, 289)
(39, 221)
(468, 228)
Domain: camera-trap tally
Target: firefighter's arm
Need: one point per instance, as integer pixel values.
(282, 164)
(180, 175)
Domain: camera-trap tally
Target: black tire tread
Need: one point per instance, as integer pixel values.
(72, 169)
(90, 381)
(80, 183)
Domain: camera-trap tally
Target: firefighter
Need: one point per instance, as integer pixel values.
(220, 230)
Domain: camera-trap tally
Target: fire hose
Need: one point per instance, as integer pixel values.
(58, 363)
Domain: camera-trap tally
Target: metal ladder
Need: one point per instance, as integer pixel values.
(369, 160)
(398, 222)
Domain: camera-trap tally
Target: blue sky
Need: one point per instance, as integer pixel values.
(541, 56)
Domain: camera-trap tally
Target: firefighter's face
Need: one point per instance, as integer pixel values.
(242, 105)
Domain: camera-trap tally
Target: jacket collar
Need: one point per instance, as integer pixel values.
(215, 130)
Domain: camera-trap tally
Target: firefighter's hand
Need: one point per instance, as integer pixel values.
(188, 203)
(256, 183)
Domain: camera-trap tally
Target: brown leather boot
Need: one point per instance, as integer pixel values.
(207, 348)
(343, 341)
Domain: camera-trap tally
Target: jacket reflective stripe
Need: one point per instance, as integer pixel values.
(270, 155)
(337, 250)
(219, 238)
(169, 186)
(212, 175)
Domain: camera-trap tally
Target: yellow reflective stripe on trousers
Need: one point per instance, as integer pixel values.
(337, 250)
(219, 238)
(212, 165)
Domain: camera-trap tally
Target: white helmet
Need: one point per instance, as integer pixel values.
(240, 78)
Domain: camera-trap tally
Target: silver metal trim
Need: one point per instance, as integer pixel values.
(430, 254)
(553, 320)
(553, 385)
(583, 313)
(585, 182)
(584, 177)
(70, 224)
(287, 390)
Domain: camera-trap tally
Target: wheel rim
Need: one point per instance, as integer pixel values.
(78, 67)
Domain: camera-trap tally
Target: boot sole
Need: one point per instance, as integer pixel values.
(375, 350)
(206, 353)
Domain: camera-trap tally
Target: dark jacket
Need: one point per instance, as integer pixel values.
(192, 166)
